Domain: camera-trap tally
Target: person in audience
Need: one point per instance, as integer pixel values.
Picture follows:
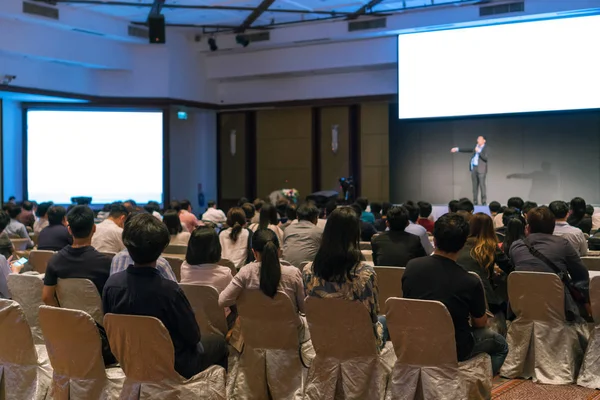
(281, 207)
(130, 205)
(508, 214)
(329, 208)
(577, 217)
(109, 232)
(365, 216)
(42, 220)
(27, 216)
(340, 272)
(152, 207)
(249, 211)
(425, 210)
(528, 206)
(15, 229)
(203, 254)
(12, 200)
(416, 229)
(465, 205)
(514, 202)
(381, 224)
(291, 215)
(452, 206)
(575, 236)
(236, 240)
(367, 230)
(468, 216)
(396, 247)
(140, 290)
(55, 236)
(213, 214)
(376, 210)
(440, 278)
(6, 246)
(301, 240)
(268, 220)
(242, 201)
(495, 208)
(5, 257)
(178, 236)
(525, 255)
(258, 203)
(514, 230)
(589, 211)
(188, 219)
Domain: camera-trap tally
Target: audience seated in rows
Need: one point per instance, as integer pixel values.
(15, 229)
(416, 229)
(248, 210)
(578, 217)
(452, 206)
(515, 230)
(268, 220)
(574, 235)
(141, 290)
(339, 269)
(508, 214)
(187, 218)
(301, 240)
(152, 207)
(440, 278)
(178, 235)
(395, 247)
(200, 266)
(258, 203)
(55, 236)
(514, 203)
(495, 209)
(235, 240)
(425, 210)
(109, 232)
(542, 251)
(213, 214)
(291, 214)
(365, 215)
(367, 230)
(42, 217)
(5, 268)
(27, 215)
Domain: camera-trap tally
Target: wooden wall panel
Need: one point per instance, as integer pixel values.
(374, 156)
(334, 165)
(232, 167)
(284, 150)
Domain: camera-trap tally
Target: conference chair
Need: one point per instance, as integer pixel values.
(38, 259)
(589, 376)
(205, 303)
(20, 244)
(591, 263)
(145, 351)
(25, 372)
(542, 344)
(348, 365)
(27, 291)
(34, 238)
(176, 249)
(270, 366)
(365, 246)
(390, 284)
(80, 294)
(75, 351)
(175, 264)
(229, 264)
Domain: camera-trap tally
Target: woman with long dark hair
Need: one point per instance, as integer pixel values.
(577, 215)
(173, 223)
(268, 220)
(235, 240)
(339, 269)
(515, 230)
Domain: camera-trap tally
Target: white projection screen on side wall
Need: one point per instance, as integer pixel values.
(545, 65)
(107, 155)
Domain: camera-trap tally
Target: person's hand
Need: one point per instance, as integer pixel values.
(454, 150)
(477, 149)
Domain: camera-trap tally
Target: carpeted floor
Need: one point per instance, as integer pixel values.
(517, 389)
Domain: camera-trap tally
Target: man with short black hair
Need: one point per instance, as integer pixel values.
(27, 217)
(15, 229)
(465, 205)
(575, 236)
(395, 248)
(258, 203)
(108, 233)
(425, 210)
(380, 224)
(213, 214)
(140, 290)
(416, 229)
(440, 278)
(302, 240)
(55, 236)
(42, 214)
(291, 214)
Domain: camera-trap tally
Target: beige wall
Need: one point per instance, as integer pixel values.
(233, 167)
(374, 154)
(284, 150)
(334, 165)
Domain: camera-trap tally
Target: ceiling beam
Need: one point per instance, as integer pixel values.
(364, 9)
(254, 15)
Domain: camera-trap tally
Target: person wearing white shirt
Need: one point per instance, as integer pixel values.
(213, 214)
(108, 236)
(178, 235)
(235, 239)
(42, 220)
(574, 235)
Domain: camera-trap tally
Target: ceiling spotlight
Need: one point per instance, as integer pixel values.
(212, 43)
(243, 40)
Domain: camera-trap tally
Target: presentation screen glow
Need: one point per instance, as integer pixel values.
(520, 67)
(106, 155)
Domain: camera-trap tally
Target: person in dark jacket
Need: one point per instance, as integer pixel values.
(396, 247)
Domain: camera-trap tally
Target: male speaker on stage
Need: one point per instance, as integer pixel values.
(478, 167)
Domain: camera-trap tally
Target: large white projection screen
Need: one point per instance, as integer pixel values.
(107, 155)
(520, 67)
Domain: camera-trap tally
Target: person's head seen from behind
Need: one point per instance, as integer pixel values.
(236, 220)
(397, 218)
(81, 225)
(450, 234)
(204, 247)
(265, 247)
(145, 238)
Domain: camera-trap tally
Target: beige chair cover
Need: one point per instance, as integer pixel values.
(145, 351)
(175, 264)
(205, 303)
(591, 263)
(365, 246)
(229, 264)
(27, 291)
(25, 373)
(427, 367)
(20, 244)
(270, 365)
(75, 351)
(390, 284)
(542, 345)
(39, 260)
(80, 294)
(348, 364)
(176, 249)
(590, 370)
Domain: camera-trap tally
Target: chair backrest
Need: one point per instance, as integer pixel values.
(390, 283)
(365, 246)
(175, 264)
(340, 328)
(38, 259)
(73, 343)
(205, 303)
(176, 249)
(143, 347)
(591, 263)
(16, 346)
(595, 298)
(80, 294)
(20, 244)
(538, 296)
(368, 255)
(34, 238)
(27, 291)
(229, 264)
(268, 323)
(422, 332)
